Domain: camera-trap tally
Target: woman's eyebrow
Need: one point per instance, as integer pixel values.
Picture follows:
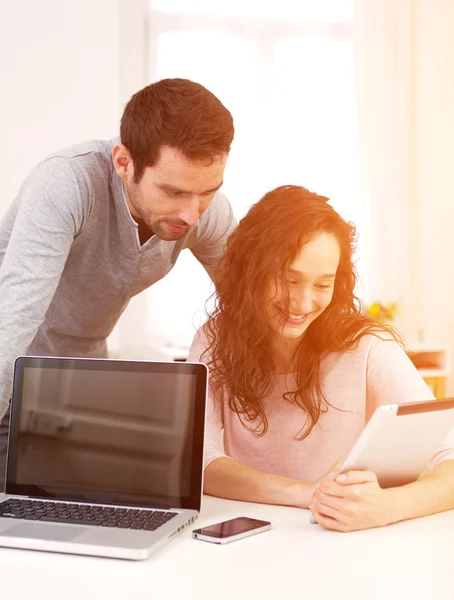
(300, 274)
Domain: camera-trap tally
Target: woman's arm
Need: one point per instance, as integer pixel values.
(433, 492)
(227, 478)
(354, 500)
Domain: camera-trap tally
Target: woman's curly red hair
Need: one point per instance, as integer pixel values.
(240, 356)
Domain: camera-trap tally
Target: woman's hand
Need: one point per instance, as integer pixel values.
(352, 501)
(329, 475)
(307, 490)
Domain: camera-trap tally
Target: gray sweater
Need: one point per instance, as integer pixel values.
(71, 259)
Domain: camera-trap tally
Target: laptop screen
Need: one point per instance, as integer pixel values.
(108, 431)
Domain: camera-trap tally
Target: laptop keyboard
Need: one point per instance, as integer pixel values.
(84, 514)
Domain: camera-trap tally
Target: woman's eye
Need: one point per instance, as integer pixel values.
(323, 286)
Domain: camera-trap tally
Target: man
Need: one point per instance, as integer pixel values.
(97, 223)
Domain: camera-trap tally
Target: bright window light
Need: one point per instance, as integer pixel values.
(289, 84)
(308, 10)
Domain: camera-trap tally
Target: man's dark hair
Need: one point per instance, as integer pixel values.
(178, 113)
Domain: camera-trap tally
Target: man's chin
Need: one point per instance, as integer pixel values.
(164, 234)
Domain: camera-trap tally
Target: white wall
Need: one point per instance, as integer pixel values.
(66, 70)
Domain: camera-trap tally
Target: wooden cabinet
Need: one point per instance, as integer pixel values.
(433, 363)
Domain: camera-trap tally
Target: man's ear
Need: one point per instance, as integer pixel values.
(122, 162)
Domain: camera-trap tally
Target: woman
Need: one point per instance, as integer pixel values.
(296, 371)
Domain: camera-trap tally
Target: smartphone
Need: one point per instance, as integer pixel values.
(230, 531)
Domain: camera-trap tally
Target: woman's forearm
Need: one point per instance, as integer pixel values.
(229, 479)
(433, 492)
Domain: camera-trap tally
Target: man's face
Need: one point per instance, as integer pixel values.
(172, 194)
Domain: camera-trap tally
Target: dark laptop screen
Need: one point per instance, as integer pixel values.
(122, 432)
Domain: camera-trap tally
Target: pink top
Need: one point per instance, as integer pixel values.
(377, 372)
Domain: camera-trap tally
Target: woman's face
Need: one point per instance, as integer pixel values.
(310, 281)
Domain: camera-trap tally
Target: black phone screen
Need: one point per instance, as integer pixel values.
(232, 527)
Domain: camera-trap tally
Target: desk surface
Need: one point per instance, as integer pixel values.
(413, 559)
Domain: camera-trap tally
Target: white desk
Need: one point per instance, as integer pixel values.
(413, 560)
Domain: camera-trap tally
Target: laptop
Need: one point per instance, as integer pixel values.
(105, 457)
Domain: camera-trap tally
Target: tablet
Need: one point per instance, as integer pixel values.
(400, 439)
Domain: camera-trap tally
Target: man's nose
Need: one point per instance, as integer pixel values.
(189, 212)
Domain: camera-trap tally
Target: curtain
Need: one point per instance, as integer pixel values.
(385, 61)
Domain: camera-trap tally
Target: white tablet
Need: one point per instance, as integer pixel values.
(400, 439)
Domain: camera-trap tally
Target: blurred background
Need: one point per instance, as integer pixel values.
(351, 99)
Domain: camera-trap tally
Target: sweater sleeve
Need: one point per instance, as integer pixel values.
(392, 378)
(208, 240)
(213, 448)
(36, 235)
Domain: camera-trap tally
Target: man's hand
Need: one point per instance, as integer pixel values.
(353, 501)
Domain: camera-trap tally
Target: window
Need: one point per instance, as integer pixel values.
(285, 70)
